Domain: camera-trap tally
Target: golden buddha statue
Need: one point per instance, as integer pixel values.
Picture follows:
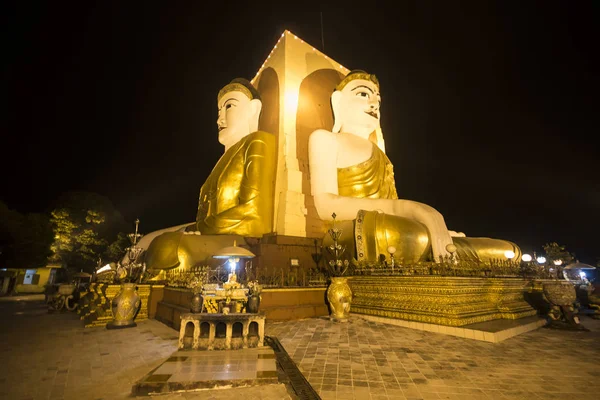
(236, 200)
(353, 178)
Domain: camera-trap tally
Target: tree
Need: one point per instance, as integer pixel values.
(555, 252)
(84, 225)
(24, 239)
(78, 203)
(77, 243)
(117, 249)
(64, 228)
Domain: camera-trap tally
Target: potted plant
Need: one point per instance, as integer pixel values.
(196, 280)
(254, 291)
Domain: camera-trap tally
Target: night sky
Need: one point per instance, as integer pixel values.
(490, 112)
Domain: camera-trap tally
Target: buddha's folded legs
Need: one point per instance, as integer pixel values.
(484, 249)
(371, 235)
(185, 250)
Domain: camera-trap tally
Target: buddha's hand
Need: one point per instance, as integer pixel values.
(433, 221)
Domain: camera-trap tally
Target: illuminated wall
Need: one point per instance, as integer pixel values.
(303, 106)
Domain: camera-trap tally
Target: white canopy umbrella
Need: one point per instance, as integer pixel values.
(579, 265)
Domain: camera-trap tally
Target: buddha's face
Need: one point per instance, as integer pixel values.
(238, 117)
(356, 107)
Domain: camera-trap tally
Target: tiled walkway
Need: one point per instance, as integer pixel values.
(362, 358)
(51, 356)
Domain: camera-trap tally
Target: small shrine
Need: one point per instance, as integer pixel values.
(229, 297)
(227, 314)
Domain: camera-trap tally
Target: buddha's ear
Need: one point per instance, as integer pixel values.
(256, 107)
(336, 107)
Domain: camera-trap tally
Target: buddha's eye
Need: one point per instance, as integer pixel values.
(363, 94)
(228, 106)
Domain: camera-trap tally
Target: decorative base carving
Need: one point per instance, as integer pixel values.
(94, 308)
(449, 301)
(207, 331)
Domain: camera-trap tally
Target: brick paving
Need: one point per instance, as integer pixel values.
(52, 356)
(363, 359)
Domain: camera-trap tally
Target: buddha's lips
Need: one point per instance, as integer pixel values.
(372, 114)
(221, 128)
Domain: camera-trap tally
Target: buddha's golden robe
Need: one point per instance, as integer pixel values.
(236, 201)
(237, 197)
(373, 178)
(374, 232)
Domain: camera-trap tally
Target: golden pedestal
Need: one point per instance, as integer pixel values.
(449, 301)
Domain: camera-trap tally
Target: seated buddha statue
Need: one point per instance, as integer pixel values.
(352, 177)
(236, 200)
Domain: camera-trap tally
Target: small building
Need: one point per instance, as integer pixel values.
(30, 280)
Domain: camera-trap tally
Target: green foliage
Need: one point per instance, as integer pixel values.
(24, 239)
(64, 229)
(555, 252)
(84, 225)
(76, 242)
(94, 208)
(117, 249)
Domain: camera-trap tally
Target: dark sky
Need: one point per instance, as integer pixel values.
(489, 112)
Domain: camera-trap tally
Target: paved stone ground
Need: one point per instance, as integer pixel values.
(51, 356)
(361, 358)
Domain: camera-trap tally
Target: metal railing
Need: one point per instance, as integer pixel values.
(283, 277)
(268, 277)
(447, 267)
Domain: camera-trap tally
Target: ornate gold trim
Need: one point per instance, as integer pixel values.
(357, 75)
(447, 301)
(234, 87)
(359, 236)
